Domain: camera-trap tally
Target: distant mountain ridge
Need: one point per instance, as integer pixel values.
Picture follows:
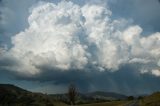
(111, 95)
(92, 97)
(96, 95)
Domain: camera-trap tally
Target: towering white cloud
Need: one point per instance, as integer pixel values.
(52, 38)
(158, 63)
(67, 36)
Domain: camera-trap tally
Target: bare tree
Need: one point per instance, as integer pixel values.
(72, 93)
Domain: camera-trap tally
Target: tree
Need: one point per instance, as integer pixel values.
(72, 93)
(130, 98)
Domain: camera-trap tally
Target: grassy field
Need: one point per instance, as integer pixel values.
(114, 103)
(152, 100)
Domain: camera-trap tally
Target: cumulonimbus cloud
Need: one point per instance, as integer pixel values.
(68, 36)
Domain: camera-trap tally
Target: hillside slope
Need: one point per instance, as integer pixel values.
(151, 100)
(12, 95)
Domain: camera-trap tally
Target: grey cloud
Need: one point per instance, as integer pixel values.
(127, 80)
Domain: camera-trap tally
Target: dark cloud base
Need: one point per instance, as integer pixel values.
(126, 80)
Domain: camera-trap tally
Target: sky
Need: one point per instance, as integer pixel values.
(99, 45)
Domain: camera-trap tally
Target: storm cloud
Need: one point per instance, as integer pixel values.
(84, 43)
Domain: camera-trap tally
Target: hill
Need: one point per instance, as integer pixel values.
(151, 100)
(8, 88)
(13, 95)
